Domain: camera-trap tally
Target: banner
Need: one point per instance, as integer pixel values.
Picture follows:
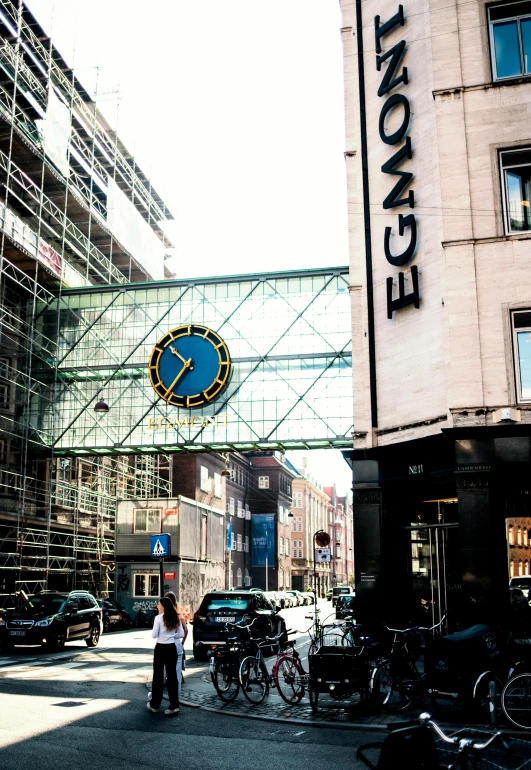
(262, 539)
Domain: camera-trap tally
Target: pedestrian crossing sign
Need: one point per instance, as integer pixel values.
(160, 546)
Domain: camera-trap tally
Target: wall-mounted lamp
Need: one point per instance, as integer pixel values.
(101, 406)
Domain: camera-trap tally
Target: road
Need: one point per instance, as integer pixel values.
(88, 707)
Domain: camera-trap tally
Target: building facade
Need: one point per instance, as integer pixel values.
(438, 158)
(311, 513)
(341, 537)
(71, 196)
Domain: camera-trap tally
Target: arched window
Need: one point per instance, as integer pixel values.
(520, 567)
(511, 534)
(512, 569)
(239, 577)
(526, 567)
(525, 539)
(281, 578)
(231, 579)
(288, 579)
(247, 578)
(519, 536)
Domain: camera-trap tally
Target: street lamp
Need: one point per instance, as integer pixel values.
(101, 406)
(319, 531)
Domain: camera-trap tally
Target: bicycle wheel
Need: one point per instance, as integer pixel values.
(288, 676)
(313, 695)
(225, 680)
(254, 679)
(393, 692)
(516, 701)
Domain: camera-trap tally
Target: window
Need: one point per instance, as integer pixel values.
(3, 452)
(281, 546)
(239, 575)
(526, 567)
(145, 585)
(297, 499)
(231, 506)
(519, 536)
(511, 534)
(241, 512)
(246, 546)
(288, 579)
(287, 546)
(239, 545)
(247, 577)
(516, 182)
(263, 482)
(510, 39)
(294, 525)
(217, 484)
(281, 514)
(4, 383)
(522, 354)
(232, 541)
(205, 481)
(146, 519)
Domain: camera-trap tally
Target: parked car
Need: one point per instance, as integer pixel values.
(114, 615)
(52, 619)
(286, 600)
(274, 598)
(340, 591)
(523, 582)
(311, 597)
(221, 607)
(299, 598)
(345, 606)
(329, 595)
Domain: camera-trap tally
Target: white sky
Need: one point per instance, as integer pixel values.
(234, 109)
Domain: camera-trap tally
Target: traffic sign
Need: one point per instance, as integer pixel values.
(160, 546)
(322, 539)
(322, 555)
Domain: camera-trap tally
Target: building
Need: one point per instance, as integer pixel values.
(238, 515)
(75, 210)
(519, 540)
(438, 159)
(270, 496)
(311, 513)
(341, 537)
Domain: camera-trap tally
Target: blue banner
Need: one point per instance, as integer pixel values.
(229, 535)
(262, 539)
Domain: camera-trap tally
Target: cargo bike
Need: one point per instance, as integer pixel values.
(340, 664)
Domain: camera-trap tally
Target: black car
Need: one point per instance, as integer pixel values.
(345, 605)
(51, 619)
(221, 607)
(114, 615)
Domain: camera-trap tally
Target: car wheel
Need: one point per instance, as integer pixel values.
(200, 653)
(57, 643)
(106, 625)
(94, 637)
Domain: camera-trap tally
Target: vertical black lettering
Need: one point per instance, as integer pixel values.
(381, 31)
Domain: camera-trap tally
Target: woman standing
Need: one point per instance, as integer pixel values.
(165, 656)
(180, 637)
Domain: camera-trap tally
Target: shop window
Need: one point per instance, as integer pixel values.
(239, 577)
(510, 39)
(263, 482)
(146, 520)
(145, 585)
(521, 322)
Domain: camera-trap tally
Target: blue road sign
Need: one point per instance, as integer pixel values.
(160, 546)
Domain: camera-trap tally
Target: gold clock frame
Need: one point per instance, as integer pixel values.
(205, 396)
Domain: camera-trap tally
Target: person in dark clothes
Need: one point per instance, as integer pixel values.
(165, 656)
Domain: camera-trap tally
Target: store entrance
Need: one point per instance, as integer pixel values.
(434, 563)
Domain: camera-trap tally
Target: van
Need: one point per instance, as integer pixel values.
(523, 582)
(340, 591)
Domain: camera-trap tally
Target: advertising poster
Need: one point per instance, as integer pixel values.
(262, 539)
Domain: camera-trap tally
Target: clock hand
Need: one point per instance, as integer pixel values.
(187, 365)
(176, 353)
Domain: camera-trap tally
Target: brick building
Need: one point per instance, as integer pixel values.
(310, 510)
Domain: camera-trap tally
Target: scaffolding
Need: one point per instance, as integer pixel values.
(60, 165)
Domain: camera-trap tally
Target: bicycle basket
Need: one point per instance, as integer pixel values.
(411, 747)
(458, 658)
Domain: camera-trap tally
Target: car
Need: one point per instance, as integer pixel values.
(275, 599)
(51, 619)
(299, 599)
(340, 591)
(329, 595)
(523, 582)
(222, 607)
(114, 615)
(345, 606)
(311, 597)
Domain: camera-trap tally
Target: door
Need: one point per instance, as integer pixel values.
(435, 572)
(73, 619)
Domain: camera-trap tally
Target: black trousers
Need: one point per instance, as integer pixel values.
(165, 655)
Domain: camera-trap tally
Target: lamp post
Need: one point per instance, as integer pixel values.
(315, 572)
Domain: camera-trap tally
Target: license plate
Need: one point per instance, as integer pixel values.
(225, 620)
(17, 633)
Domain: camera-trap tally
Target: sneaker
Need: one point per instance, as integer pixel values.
(171, 712)
(150, 708)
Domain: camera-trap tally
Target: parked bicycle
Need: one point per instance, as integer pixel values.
(144, 618)
(289, 675)
(423, 745)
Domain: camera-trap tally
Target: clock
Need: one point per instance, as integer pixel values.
(190, 366)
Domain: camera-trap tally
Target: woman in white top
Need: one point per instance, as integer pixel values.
(165, 656)
(180, 638)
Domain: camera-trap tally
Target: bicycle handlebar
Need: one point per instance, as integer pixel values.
(416, 628)
(463, 743)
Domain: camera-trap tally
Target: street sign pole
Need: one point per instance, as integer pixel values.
(161, 565)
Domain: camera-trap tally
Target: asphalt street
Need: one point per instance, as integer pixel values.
(88, 707)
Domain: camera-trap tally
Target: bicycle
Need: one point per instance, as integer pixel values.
(225, 663)
(413, 745)
(144, 618)
(253, 675)
(516, 700)
(288, 674)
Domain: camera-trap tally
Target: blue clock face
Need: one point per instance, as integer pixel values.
(189, 366)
